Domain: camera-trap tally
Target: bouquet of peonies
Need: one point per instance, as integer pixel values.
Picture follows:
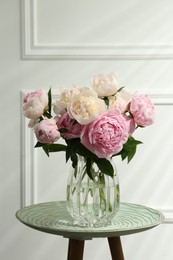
(96, 123)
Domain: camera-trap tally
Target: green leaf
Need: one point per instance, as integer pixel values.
(56, 148)
(47, 114)
(49, 101)
(63, 130)
(129, 149)
(83, 151)
(105, 166)
(50, 148)
(74, 160)
(88, 167)
(38, 144)
(120, 89)
(72, 146)
(106, 100)
(45, 148)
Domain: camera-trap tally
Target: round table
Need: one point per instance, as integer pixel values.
(53, 217)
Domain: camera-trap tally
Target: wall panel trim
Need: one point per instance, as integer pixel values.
(30, 49)
(28, 161)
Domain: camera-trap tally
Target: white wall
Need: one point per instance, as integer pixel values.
(60, 48)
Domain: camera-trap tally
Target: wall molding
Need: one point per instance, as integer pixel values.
(28, 172)
(30, 49)
(28, 155)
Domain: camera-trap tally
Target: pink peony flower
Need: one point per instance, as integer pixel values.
(106, 135)
(47, 131)
(142, 109)
(35, 103)
(120, 101)
(130, 122)
(73, 127)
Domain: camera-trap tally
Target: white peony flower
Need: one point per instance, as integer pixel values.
(84, 109)
(105, 85)
(59, 106)
(67, 95)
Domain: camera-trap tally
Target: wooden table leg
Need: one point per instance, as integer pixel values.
(116, 248)
(75, 249)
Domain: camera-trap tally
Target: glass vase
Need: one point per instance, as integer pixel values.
(92, 202)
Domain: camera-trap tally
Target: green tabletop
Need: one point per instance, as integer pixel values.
(53, 217)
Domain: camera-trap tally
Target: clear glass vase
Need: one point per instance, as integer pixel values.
(92, 202)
